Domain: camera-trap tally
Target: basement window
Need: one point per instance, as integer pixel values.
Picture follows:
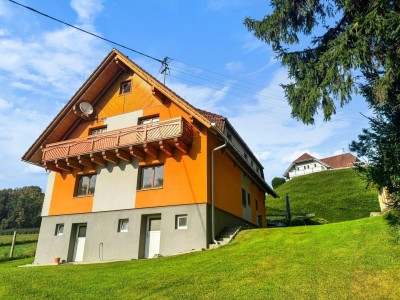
(151, 177)
(181, 222)
(123, 225)
(59, 229)
(125, 87)
(86, 185)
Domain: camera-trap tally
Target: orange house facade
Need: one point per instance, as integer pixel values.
(135, 171)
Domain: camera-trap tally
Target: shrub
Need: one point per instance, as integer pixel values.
(277, 181)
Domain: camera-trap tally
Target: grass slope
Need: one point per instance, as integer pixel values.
(347, 260)
(337, 195)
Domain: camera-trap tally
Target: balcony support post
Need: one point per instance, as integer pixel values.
(98, 159)
(166, 148)
(136, 153)
(150, 150)
(121, 154)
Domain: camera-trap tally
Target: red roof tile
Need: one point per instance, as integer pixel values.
(214, 118)
(303, 157)
(340, 161)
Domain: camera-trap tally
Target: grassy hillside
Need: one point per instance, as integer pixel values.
(336, 196)
(348, 260)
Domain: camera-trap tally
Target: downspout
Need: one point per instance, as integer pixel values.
(212, 181)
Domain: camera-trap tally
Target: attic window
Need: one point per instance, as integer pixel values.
(97, 130)
(125, 87)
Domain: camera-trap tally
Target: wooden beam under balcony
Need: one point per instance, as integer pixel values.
(166, 148)
(74, 163)
(181, 146)
(61, 164)
(110, 157)
(51, 167)
(85, 161)
(98, 159)
(136, 152)
(150, 150)
(122, 154)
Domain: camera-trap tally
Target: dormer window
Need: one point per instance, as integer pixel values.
(125, 87)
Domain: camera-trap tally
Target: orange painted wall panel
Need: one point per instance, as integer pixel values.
(185, 180)
(63, 200)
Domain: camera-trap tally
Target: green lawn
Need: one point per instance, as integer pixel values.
(336, 196)
(20, 251)
(348, 260)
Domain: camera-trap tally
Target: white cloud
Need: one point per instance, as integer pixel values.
(4, 104)
(251, 43)
(4, 32)
(263, 155)
(31, 169)
(87, 10)
(201, 97)
(233, 66)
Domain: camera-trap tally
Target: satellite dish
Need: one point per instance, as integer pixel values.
(86, 108)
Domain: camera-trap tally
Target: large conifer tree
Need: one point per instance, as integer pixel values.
(358, 50)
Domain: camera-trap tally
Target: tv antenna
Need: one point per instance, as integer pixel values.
(164, 66)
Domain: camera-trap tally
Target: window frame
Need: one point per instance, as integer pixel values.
(123, 221)
(57, 231)
(152, 117)
(97, 128)
(122, 84)
(87, 194)
(140, 178)
(177, 227)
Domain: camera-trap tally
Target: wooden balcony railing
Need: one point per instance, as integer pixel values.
(119, 144)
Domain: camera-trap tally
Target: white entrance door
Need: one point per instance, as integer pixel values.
(80, 242)
(152, 237)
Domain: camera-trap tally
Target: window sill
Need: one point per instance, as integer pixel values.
(83, 196)
(149, 189)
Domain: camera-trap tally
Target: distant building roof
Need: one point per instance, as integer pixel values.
(345, 160)
(304, 157)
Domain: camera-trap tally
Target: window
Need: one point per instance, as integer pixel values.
(181, 222)
(243, 197)
(149, 120)
(125, 87)
(86, 185)
(245, 156)
(123, 225)
(256, 205)
(229, 136)
(97, 130)
(315, 165)
(59, 229)
(248, 199)
(151, 177)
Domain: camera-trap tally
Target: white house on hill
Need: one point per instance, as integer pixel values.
(307, 164)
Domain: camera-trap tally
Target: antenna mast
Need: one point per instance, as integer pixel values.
(164, 66)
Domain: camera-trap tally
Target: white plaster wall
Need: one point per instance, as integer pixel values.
(303, 170)
(48, 194)
(123, 120)
(246, 211)
(116, 187)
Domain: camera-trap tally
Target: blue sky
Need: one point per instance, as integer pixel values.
(217, 65)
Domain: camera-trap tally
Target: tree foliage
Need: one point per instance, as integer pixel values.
(356, 36)
(277, 181)
(355, 48)
(20, 208)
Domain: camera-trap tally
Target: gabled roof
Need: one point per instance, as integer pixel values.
(304, 157)
(345, 160)
(214, 118)
(105, 74)
(114, 64)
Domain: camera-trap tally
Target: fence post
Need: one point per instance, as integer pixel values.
(13, 244)
(288, 213)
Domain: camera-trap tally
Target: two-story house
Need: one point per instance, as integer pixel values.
(307, 164)
(135, 171)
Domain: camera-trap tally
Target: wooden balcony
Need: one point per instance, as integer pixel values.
(123, 144)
